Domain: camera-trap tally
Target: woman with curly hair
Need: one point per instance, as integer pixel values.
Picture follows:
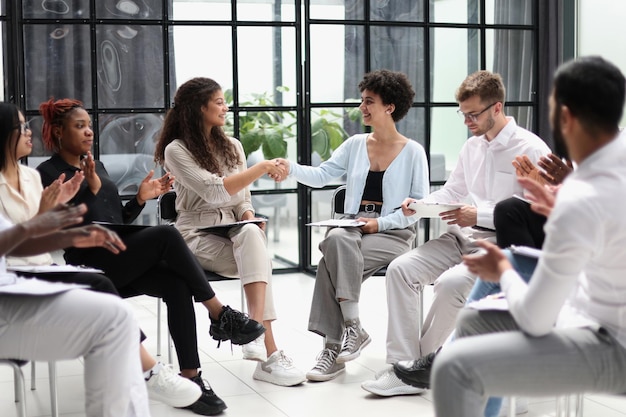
(382, 168)
(212, 188)
(156, 261)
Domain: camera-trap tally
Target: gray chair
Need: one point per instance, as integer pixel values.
(20, 385)
(166, 214)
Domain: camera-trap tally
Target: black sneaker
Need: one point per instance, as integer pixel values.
(415, 373)
(235, 326)
(208, 404)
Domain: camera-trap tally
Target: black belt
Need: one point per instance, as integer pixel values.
(370, 208)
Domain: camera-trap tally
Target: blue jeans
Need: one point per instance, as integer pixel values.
(525, 267)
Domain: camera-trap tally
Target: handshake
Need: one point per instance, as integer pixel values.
(277, 168)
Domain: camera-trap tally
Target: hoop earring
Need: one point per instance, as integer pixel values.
(60, 144)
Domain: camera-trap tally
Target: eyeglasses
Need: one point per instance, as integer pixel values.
(473, 117)
(23, 127)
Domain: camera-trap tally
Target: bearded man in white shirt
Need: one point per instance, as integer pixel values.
(483, 176)
(565, 331)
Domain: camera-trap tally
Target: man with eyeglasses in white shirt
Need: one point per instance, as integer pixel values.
(484, 175)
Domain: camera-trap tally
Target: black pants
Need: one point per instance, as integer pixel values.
(517, 224)
(157, 262)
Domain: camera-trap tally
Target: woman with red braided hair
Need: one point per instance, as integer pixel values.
(156, 262)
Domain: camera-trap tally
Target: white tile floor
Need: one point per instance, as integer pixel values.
(231, 377)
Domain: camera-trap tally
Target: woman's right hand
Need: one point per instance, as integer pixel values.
(275, 169)
(50, 196)
(88, 166)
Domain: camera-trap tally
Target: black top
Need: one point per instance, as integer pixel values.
(373, 190)
(106, 206)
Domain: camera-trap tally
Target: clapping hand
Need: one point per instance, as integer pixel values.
(96, 236)
(58, 218)
(524, 168)
(151, 188)
(555, 170)
(541, 196)
(60, 192)
(88, 167)
(488, 264)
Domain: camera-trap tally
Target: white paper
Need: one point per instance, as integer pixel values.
(34, 286)
(526, 251)
(428, 209)
(43, 269)
(337, 223)
(490, 302)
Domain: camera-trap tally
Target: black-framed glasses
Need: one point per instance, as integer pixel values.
(473, 117)
(24, 127)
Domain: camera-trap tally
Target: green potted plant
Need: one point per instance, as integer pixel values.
(270, 131)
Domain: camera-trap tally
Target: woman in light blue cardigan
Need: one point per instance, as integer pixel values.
(382, 169)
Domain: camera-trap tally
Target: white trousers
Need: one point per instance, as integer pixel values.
(99, 327)
(438, 261)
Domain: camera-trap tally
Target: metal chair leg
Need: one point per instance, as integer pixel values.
(52, 376)
(33, 376)
(158, 341)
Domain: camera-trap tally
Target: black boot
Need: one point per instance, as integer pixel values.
(208, 404)
(235, 326)
(416, 373)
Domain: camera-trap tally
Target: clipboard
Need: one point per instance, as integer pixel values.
(222, 228)
(122, 227)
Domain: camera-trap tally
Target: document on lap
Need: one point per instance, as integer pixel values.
(337, 223)
(490, 302)
(526, 251)
(226, 226)
(34, 286)
(51, 269)
(122, 227)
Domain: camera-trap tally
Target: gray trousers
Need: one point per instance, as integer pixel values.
(99, 327)
(508, 362)
(349, 258)
(437, 261)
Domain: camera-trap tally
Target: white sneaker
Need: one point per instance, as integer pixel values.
(521, 406)
(172, 389)
(278, 370)
(387, 384)
(255, 350)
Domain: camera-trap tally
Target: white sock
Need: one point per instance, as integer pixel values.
(349, 309)
(152, 371)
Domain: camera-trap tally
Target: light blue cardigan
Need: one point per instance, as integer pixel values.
(406, 176)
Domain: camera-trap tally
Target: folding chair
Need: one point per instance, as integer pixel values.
(20, 385)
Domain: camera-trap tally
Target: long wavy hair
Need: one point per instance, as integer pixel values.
(184, 121)
(54, 114)
(9, 134)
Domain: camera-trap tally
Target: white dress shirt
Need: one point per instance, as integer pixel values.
(21, 206)
(580, 279)
(484, 173)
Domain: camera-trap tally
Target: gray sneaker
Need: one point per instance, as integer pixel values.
(326, 367)
(354, 339)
